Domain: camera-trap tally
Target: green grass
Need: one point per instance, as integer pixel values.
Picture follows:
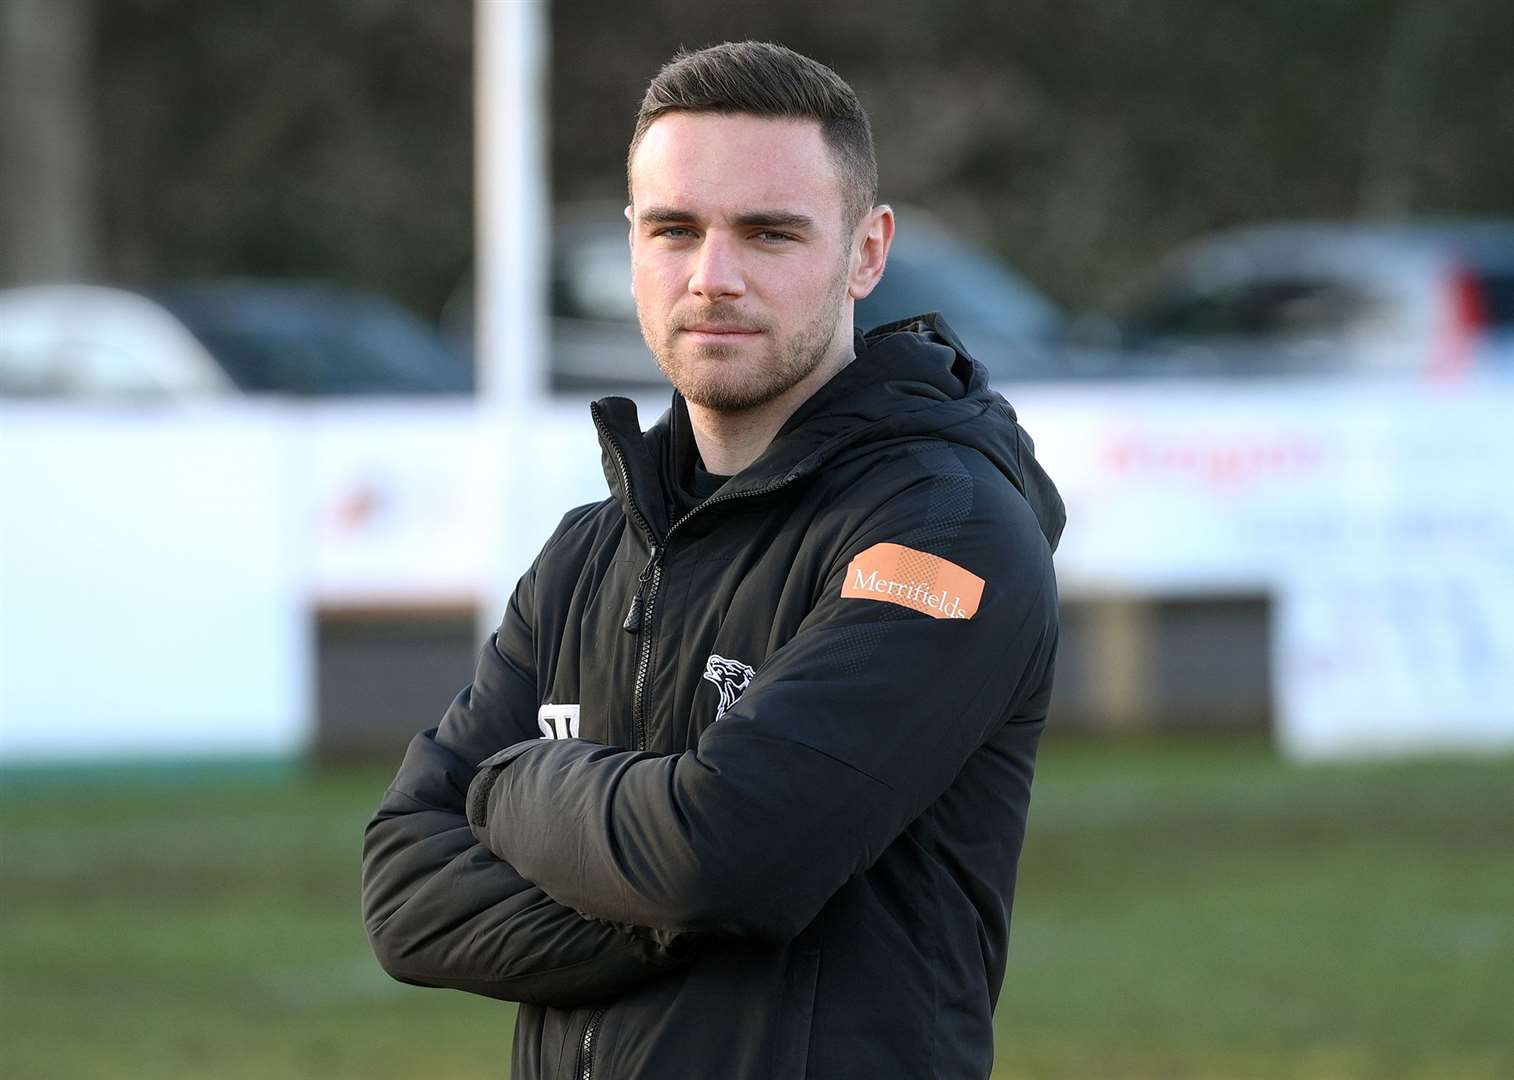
(1190, 910)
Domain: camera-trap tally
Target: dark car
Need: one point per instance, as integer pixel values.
(315, 339)
(212, 339)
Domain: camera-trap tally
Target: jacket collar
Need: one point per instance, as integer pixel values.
(909, 377)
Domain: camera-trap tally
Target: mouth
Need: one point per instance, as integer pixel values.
(715, 333)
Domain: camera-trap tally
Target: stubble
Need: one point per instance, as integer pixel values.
(736, 378)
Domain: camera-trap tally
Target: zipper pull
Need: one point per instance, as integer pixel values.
(632, 625)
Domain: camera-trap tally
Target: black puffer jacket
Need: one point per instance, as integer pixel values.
(773, 828)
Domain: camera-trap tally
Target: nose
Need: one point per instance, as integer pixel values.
(717, 272)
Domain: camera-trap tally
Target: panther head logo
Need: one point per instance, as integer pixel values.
(731, 677)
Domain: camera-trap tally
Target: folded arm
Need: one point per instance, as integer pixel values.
(846, 734)
(442, 910)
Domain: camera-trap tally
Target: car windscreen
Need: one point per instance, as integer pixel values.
(1274, 309)
(318, 345)
(976, 295)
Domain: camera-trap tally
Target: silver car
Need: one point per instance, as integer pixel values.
(1424, 300)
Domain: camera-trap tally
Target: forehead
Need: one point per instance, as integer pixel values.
(716, 164)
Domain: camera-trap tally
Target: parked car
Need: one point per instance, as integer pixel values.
(597, 345)
(1004, 320)
(304, 339)
(316, 339)
(1430, 299)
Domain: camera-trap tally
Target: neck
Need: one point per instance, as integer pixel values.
(730, 441)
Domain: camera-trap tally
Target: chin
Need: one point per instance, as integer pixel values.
(728, 394)
(721, 396)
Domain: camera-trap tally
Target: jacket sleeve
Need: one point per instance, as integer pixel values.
(845, 735)
(439, 908)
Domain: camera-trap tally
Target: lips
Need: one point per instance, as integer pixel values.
(717, 329)
(718, 335)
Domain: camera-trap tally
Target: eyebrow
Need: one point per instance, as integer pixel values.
(768, 219)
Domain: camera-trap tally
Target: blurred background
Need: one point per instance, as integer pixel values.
(300, 308)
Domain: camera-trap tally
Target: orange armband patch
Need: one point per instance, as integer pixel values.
(914, 579)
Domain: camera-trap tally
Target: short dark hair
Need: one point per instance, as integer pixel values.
(759, 78)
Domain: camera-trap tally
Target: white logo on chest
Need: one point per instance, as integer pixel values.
(730, 677)
(558, 721)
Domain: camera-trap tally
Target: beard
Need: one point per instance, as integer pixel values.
(742, 376)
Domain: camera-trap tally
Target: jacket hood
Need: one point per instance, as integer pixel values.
(909, 377)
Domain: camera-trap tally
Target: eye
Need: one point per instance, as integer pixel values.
(673, 232)
(769, 236)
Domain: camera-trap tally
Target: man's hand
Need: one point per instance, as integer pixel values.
(478, 800)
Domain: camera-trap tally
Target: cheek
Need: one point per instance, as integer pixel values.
(803, 289)
(654, 278)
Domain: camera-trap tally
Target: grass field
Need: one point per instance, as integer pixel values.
(1191, 910)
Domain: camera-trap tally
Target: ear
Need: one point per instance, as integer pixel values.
(870, 243)
(631, 242)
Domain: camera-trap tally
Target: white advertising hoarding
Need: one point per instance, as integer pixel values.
(160, 570)
(1376, 516)
(151, 598)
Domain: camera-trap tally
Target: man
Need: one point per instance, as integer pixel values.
(739, 787)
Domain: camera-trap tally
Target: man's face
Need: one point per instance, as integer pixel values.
(740, 260)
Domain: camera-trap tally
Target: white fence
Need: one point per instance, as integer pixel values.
(159, 568)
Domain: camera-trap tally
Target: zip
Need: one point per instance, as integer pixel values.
(586, 1049)
(638, 620)
(632, 623)
(625, 473)
(644, 650)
